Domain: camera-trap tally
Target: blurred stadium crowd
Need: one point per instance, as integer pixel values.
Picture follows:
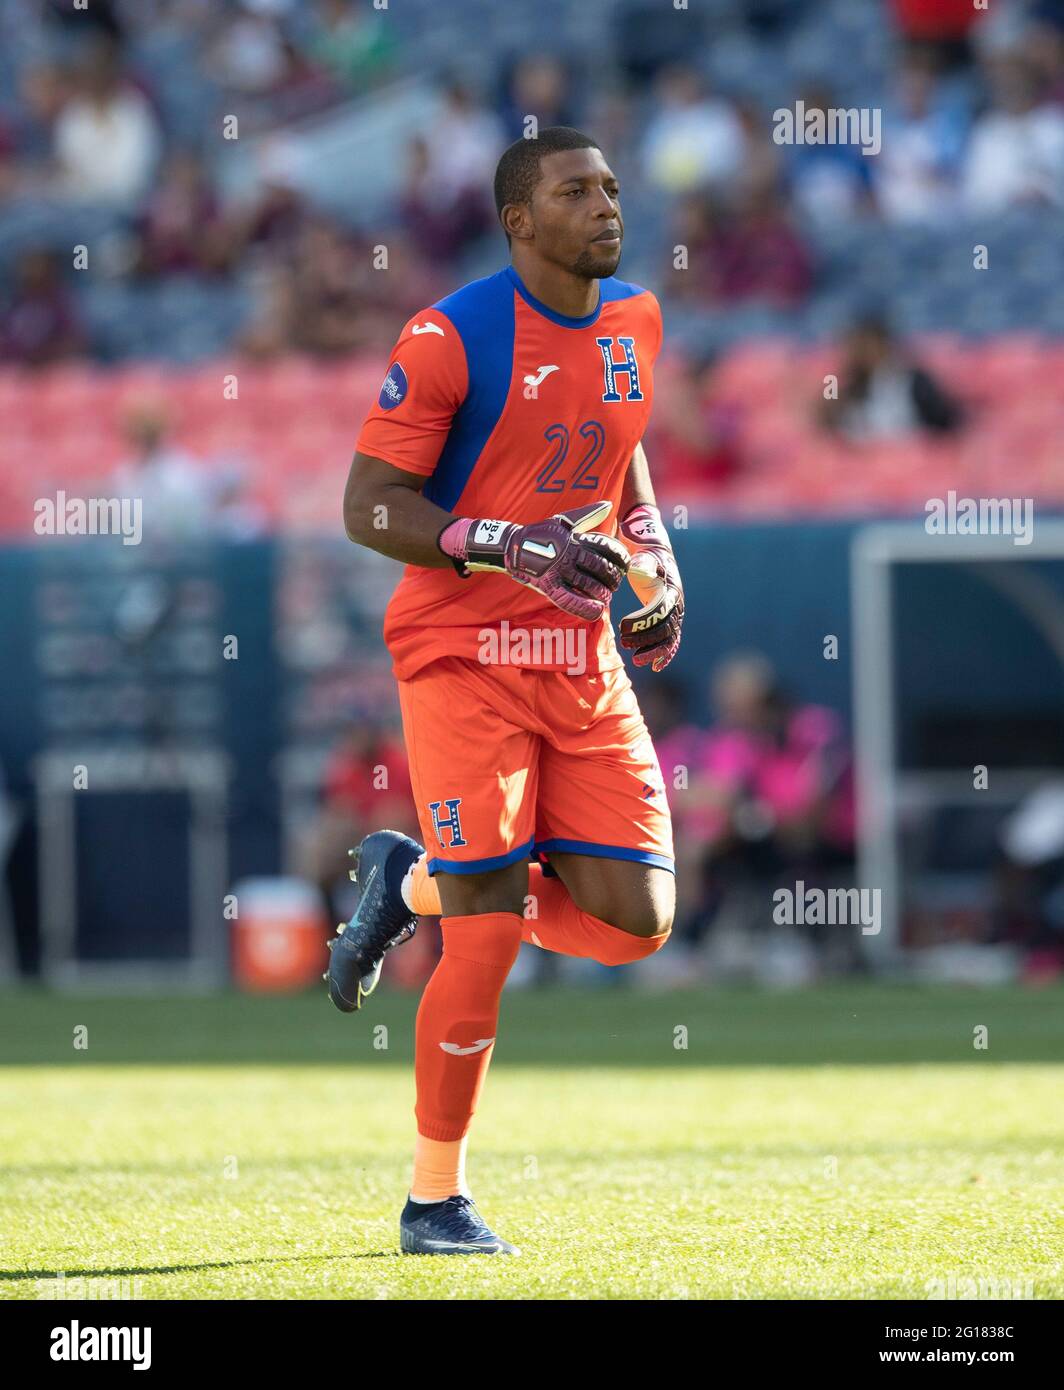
(147, 258)
(112, 119)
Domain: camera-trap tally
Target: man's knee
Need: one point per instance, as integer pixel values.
(645, 920)
(637, 930)
(626, 946)
(472, 895)
(644, 909)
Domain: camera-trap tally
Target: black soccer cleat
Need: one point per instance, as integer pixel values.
(451, 1227)
(382, 920)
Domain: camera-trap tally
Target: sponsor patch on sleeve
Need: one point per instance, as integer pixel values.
(394, 388)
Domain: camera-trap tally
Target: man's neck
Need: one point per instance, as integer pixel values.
(574, 296)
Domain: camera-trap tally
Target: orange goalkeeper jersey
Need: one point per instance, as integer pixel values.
(514, 412)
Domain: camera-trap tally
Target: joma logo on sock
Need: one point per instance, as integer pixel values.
(456, 1050)
(77, 1343)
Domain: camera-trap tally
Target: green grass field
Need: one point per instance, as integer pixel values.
(846, 1142)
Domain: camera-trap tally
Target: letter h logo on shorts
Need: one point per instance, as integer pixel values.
(630, 368)
(451, 821)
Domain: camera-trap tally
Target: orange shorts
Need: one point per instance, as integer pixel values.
(512, 762)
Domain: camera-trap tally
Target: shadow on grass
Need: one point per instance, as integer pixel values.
(121, 1271)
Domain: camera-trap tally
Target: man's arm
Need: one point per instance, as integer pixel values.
(562, 558)
(385, 511)
(637, 485)
(653, 631)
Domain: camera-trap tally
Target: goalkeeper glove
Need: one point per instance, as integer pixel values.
(653, 631)
(578, 569)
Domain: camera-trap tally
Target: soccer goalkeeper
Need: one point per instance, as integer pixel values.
(503, 464)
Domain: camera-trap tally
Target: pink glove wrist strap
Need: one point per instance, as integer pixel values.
(454, 537)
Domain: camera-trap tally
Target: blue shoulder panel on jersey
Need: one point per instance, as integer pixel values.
(619, 289)
(483, 314)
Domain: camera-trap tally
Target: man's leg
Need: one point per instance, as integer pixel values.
(614, 911)
(618, 911)
(473, 768)
(457, 1018)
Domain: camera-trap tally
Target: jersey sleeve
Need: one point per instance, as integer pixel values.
(426, 383)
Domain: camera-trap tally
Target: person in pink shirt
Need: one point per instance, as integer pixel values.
(771, 791)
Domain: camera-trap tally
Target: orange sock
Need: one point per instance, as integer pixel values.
(439, 1169)
(457, 1018)
(557, 924)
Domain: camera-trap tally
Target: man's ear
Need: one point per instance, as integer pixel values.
(517, 221)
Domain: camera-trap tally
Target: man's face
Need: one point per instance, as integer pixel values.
(576, 213)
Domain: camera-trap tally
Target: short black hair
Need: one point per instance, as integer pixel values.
(518, 171)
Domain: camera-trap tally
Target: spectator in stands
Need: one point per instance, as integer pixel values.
(1043, 47)
(9, 175)
(537, 84)
(327, 295)
(678, 742)
(763, 255)
(1028, 884)
(828, 182)
(250, 54)
(446, 205)
(917, 170)
(174, 492)
(883, 393)
(366, 785)
(355, 42)
(107, 139)
(311, 301)
(943, 27)
(771, 790)
(694, 433)
(181, 226)
(749, 250)
(274, 219)
(440, 227)
(235, 515)
(773, 19)
(463, 144)
(645, 43)
(762, 162)
(1016, 152)
(330, 297)
(28, 128)
(40, 325)
(694, 140)
(101, 19)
